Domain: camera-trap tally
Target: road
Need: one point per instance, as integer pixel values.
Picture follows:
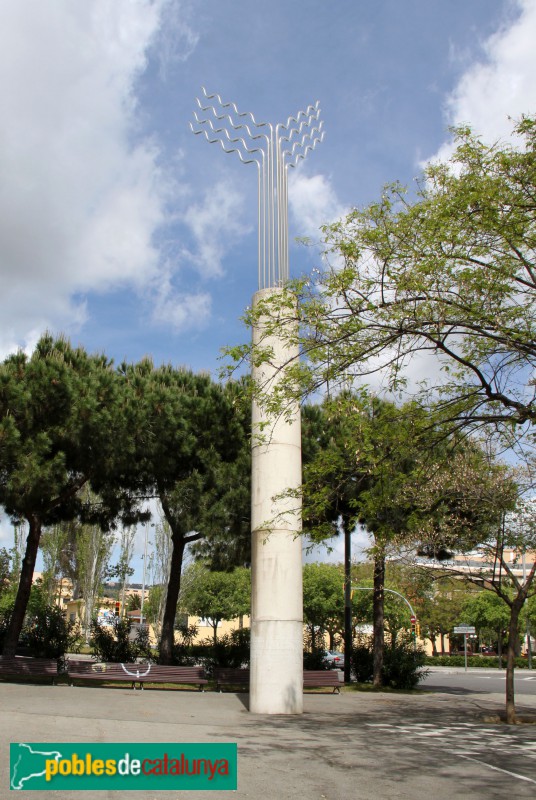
(442, 743)
(478, 681)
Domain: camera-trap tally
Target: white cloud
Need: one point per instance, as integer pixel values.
(216, 227)
(493, 91)
(182, 311)
(79, 201)
(313, 202)
(177, 39)
(333, 551)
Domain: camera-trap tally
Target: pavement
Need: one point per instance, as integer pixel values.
(352, 746)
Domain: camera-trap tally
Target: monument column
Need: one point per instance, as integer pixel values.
(276, 668)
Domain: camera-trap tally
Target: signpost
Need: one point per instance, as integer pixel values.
(467, 630)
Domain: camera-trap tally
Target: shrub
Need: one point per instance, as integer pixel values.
(315, 659)
(184, 651)
(114, 643)
(361, 662)
(484, 662)
(402, 664)
(47, 634)
(5, 615)
(230, 650)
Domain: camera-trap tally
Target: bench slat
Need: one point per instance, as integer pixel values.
(230, 676)
(322, 678)
(29, 667)
(136, 673)
(162, 673)
(226, 676)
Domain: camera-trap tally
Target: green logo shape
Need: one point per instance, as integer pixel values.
(120, 766)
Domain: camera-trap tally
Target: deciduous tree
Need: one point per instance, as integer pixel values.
(216, 596)
(448, 272)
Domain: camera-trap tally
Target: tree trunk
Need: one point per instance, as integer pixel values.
(378, 618)
(348, 638)
(433, 639)
(167, 636)
(25, 587)
(513, 636)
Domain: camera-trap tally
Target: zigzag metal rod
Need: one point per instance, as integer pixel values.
(263, 148)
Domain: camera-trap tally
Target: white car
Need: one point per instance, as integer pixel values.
(334, 659)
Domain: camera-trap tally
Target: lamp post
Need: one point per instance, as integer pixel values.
(144, 572)
(392, 591)
(276, 663)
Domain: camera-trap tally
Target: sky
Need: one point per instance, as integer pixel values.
(122, 230)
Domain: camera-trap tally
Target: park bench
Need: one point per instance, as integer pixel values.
(161, 673)
(29, 668)
(324, 678)
(135, 673)
(104, 671)
(230, 676)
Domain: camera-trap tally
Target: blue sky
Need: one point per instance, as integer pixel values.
(121, 229)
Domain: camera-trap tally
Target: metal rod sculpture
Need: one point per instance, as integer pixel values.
(262, 143)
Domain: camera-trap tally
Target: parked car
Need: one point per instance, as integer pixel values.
(334, 659)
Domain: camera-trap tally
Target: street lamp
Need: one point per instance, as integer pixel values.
(392, 591)
(144, 572)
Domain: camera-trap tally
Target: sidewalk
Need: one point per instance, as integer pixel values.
(356, 746)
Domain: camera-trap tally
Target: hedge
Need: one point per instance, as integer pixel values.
(484, 662)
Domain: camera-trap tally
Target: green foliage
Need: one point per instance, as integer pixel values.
(323, 599)
(134, 603)
(487, 612)
(5, 570)
(5, 616)
(63, 423)
(314, 659)
(113, 643)
(216, 596)
(481, 662)
(61, 426)
(230, 650)
(47, 634)
(362, 662)
(402, 664)
(189, 456)
(152, 603)
(450, 271)
(184, 651)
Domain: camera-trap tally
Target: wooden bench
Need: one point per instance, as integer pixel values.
(29, 668)
(135, 673)
(324, 678)
(228, 676)
(104, 671)
(161, 673)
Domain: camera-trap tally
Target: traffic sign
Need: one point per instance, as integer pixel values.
(464, 629)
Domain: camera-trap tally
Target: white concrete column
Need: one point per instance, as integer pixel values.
(276, 668)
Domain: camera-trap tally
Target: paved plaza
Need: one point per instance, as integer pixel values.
(353, 746)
